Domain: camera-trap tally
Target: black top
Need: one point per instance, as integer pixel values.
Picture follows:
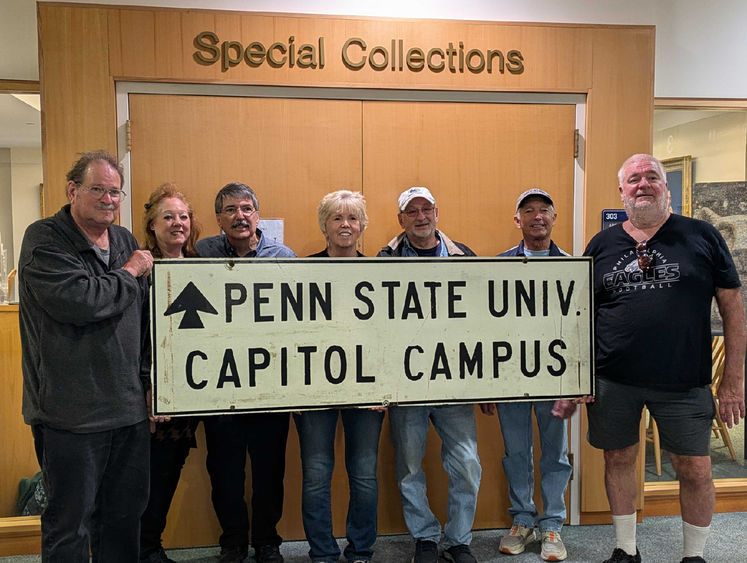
(653, 327)
(325, 254)
(84, 329)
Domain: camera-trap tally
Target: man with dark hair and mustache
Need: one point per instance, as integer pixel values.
(655, 276)
(86, 367)
(263, 435)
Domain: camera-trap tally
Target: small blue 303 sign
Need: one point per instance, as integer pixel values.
(612, 217)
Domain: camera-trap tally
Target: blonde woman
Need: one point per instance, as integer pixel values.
(342, 219)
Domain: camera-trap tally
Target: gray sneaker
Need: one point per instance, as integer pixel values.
(552, 547)
(516, 540)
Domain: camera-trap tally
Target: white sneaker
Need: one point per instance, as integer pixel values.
(552, 547)
(516, 540)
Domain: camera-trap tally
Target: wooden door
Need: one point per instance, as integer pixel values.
(476, 158)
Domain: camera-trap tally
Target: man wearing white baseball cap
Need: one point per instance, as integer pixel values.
(455, 424)
(418, 216)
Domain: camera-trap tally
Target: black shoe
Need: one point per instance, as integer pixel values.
(157, 557)
(693, 559)
(268, 554)
(459, 554)
(235, 554)
(620, 556)
(426, 551)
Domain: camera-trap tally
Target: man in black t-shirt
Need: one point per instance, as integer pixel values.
(654, 278)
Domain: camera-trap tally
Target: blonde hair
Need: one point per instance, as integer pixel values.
(342, 199)
(166, 191)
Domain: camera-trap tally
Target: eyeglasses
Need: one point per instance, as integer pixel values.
(98, 192)
(232, 211)
(412, 213)
(645, 260)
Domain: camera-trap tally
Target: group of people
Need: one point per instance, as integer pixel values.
(111, 469)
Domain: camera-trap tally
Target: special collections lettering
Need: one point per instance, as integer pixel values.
(356, 54)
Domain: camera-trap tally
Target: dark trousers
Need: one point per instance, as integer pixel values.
(97, 488)
(229, 438)
(167, 458)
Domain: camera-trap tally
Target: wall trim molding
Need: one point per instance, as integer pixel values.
(19, 86)
(700, 103)
(662, 499)
(20, 535)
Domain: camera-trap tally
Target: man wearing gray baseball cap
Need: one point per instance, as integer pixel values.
(535, 216)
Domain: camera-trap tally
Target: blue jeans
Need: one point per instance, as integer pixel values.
(455, 424)
(316, 432)
(516, 427)
(97, 488)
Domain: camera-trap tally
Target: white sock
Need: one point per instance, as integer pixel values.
(625, 532)
(694, 539)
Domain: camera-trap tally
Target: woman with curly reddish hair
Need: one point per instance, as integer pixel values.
(169, 224)
(170, 232)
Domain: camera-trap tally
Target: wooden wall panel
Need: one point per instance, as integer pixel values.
(619, 124)
(620, 115)
(556, 57)
(77, 93)
(17, 457)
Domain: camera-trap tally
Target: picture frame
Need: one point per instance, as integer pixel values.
(680, 181)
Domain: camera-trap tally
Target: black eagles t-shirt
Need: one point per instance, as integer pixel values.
(653, 327)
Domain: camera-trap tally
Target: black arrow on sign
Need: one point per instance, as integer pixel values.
(190, 301)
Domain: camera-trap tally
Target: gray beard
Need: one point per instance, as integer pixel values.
(647, 216)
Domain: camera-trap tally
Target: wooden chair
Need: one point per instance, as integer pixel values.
(720, 430)
(652, 435)
(11, 278)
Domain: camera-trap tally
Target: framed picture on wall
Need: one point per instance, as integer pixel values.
(680, 179)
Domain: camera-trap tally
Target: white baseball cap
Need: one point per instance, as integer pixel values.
(411, 193)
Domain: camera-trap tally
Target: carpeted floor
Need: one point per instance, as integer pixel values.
(659, 540)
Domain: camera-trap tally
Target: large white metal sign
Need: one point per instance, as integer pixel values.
(239, 335)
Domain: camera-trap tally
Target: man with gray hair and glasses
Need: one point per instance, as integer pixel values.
(455, 424)
(262, 435)
(86, 368)
(655, 276)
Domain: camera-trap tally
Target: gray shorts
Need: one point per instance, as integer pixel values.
(683, 417)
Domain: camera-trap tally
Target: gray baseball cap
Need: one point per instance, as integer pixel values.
(533, 192)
